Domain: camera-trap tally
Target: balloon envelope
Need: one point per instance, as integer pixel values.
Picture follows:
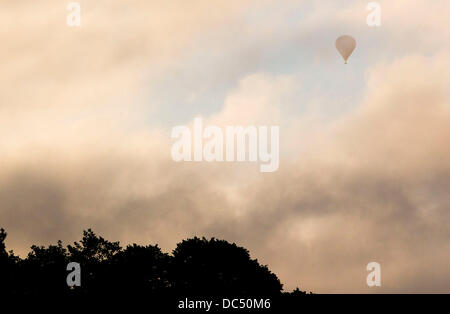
(345, 45)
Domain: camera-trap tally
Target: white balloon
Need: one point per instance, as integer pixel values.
(345, 45)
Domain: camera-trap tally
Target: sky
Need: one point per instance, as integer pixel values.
(86, 115)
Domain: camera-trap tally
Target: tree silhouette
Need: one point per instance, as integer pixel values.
(199, 264)
(8, 267)
(42, 271)
(145, 269)
(197, 267)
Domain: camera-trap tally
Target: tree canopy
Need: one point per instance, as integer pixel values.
(196, 267)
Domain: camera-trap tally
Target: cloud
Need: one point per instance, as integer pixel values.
(367, 184)
(317, 222)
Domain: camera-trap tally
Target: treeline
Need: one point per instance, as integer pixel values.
(196, 268)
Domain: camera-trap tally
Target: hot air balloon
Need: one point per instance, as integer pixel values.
(345, 45)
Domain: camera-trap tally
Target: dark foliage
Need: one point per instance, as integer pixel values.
(197, 267)
(199, 264)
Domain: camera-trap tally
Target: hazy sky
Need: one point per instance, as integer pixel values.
(86, 115)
